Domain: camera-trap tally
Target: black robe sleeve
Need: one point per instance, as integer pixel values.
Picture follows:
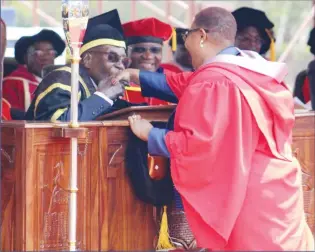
(53, 97)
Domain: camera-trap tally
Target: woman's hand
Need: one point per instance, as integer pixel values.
(140, 127)
(134, 75)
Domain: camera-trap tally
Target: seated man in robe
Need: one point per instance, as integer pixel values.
(306, 78)
(254, 31)
(103, 56)
(145, 39)
(32, 54)
(181, 58)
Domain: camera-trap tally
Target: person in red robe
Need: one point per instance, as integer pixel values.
(5, 113)
(181, 59)
(32, 54)
(230, 149)
(302, 87)
(145, 39)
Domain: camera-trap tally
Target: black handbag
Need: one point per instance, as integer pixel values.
(152, 191)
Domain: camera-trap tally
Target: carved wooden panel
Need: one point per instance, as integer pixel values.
(116, 149)
(35, 209)
(53, 167)
(304, 150)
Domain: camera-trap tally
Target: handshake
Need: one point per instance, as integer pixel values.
(114, 86)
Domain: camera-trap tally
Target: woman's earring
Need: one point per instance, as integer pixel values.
(201, 43)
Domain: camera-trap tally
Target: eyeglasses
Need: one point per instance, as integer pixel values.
(41, 53)
(141, 49)
(186, 33)
(114, 58)
(248, 40)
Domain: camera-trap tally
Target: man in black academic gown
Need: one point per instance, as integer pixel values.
(254, 31)
(103, 56)
(304, 87)
(181, 60)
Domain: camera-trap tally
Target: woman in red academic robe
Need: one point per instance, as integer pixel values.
(32, 53)
(230, 150)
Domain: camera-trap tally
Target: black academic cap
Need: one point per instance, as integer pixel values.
(25, 42)
(104, 29)
(246, 17)
(110, 18)
(311, 41)
(154, 192)
(179, 37)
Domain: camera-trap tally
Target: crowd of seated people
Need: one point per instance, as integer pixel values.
(35, 56)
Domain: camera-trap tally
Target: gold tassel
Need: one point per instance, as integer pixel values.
(68, 56)
(164, 238)
(174, 40)
(272, 46)
(132, 88)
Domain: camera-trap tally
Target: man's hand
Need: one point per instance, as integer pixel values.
(113, 92)
(140, 127)
(113, 87)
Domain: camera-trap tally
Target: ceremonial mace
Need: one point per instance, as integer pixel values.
(75, 15)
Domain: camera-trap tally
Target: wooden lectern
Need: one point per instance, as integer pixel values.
(304, 150)
(35, 174)
(35, 177)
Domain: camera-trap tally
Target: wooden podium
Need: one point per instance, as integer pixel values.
(34, 189)
(35, 174)
(304, 150)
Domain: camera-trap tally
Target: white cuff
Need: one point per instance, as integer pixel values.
(100, 94)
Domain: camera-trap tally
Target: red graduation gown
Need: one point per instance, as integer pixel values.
(133, 95)
(6, 114)
(172, 68)
(231, 161)
(306, 90)
(19, 88)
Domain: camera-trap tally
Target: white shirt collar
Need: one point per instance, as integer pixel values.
(94, 84)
